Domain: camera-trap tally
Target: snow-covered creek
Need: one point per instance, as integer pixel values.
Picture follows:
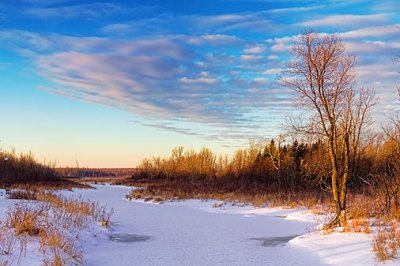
(194, 233)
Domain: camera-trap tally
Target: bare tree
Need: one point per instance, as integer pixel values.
(392, 130)
(322, 76)
(273, 150)
(360, 115)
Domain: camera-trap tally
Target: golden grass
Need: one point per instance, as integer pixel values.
(60, 183)
(55, 219)
(359, 225)
(386, 242)
(162, 191)
(27, 218)
(58, 248)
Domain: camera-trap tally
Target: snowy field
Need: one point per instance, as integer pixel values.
(198, 232)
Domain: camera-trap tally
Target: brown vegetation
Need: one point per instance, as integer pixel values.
(58, 248)
(85, 172)
(27, 218)
(387, 241)
(159, 191)
(55, 219)
(23, 171)
(23, 168)
(250, 173)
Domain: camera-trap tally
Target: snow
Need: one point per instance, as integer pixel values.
(195, 232)
(338, 248)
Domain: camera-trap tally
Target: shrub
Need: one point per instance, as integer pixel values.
(101, 215)
(7, 241)
(386, 242)
(359, 225)
(27, 218)
(23, 194)
(58, 248)
(57, 220)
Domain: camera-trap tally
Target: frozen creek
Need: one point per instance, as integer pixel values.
(193, 232)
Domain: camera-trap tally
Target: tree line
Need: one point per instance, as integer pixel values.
(24, 168)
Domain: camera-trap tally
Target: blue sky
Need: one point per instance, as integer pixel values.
(107, 83)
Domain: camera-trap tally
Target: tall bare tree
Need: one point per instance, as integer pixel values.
(274, 152)
(322, 76)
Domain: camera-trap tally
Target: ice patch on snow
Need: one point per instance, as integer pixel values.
(128, 238)
(275, 241)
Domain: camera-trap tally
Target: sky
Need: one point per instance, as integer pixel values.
(108, 83)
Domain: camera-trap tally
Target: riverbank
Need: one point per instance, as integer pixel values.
(200, 232)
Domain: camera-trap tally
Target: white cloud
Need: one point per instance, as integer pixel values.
(200, 80)
(272, 71)
(203, 79)
(250, 57)
(117, 28)
(214, 39)
(73, 11)
(377, 47)
(219, 20)
(376, 31)
(294, 9)
(273, 57)
(345, 20)
(257, 49)
(261, 81)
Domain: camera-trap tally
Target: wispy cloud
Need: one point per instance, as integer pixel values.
(251, 57)
(161, 79)
(349, 20)
(377, 31)
(166, 23)
(273, 71)
(294, 9)
(75, 11)
(257, 49)
(117, 28)
(214, 39)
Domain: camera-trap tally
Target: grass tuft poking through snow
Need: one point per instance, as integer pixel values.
(386, 241)
(58, 248)
(53, 221)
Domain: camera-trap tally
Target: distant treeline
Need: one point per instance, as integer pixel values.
(24, 168)
(80, 172)
(277, 166)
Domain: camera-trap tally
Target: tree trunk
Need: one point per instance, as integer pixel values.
(342, 218)
(338, 192)
(343, 184)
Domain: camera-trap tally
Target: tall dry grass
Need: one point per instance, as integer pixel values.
(386, 241)
(59, 249)
(27, 218)
(56, 220)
